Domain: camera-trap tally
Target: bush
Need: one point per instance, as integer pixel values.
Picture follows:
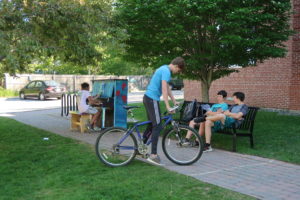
(8, 93)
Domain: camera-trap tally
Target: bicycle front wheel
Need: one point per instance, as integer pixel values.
(115, 147)
(179, 152)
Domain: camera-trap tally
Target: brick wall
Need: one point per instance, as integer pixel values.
(295, 80)
(272, 84)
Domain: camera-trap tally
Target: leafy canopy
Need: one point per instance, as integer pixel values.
(213, 35)
(69, 31)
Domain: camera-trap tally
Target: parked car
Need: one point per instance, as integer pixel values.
(42, 90)
(176, 84)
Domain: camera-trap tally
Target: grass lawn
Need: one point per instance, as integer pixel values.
(8, 93)
(275, 136)
(62, 168)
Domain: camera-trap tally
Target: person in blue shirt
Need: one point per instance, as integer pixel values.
(158, 87)
(233, 116)
(216, 109)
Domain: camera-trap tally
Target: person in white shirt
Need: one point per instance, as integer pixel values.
(84, 106)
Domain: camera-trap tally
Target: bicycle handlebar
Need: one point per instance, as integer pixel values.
(171, 110)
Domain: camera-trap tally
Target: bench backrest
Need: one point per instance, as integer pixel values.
(248, 121)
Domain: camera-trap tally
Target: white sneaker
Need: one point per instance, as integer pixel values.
(97, 128)
(208, 149)
(154, 160)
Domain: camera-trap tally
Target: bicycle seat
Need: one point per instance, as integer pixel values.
(130, 107)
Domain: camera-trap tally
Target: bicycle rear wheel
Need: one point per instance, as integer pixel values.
(178, 152)
(115, 147)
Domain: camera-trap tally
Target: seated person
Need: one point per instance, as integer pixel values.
(84, 107)
(218, 108)
(233, 116)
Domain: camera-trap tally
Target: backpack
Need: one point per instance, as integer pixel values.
(189, 111)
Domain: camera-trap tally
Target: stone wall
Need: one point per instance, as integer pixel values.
(72, 82)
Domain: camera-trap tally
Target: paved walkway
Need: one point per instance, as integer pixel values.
(251, 175)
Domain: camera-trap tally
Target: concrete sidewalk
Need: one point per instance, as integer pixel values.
(251, 175)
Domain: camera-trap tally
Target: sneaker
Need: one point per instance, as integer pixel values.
(97, 128)
(186, 142)
(89, 126)
(207, 148)
(199, 119)
(195, 144)
(154, 159)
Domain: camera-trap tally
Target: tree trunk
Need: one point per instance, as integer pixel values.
(205, 91)
(206, 81)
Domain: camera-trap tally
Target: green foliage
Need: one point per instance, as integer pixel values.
(62, 168)
(69, 31)
(47, 65)
(8, 93)
(212, 35)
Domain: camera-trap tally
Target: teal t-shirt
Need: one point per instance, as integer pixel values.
(154, 89)
(217, 106)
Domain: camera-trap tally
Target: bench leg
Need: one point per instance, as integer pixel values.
(234, 142)
(75, 118)
(84, 120)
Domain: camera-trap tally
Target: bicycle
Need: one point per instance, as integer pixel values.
(117, 146)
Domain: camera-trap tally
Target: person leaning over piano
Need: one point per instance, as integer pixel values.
(84, 106)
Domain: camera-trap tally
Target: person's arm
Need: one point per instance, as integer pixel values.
(165, 93)
(170, 94)
(237, 116)
(211, 113)
(93, 101)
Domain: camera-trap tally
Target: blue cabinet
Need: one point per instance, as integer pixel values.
(113, 93)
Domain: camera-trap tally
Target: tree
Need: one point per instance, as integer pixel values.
(212, 35)
(68, 31)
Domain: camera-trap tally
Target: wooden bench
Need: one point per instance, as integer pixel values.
(79, 121)
(244, 130)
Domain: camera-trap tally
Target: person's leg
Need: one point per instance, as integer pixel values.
(95, 118)
(189, 133)
(202, 129)
(208, 125)
(153, 109)
(93, 111)
(157, 127)
(217, 117)
(148, 130)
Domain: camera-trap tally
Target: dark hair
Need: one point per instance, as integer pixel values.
(84, 85)
(239, 95)
(223, 93)
(179, 61)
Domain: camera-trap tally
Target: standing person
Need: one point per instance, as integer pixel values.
(159, 86)
(84, 107)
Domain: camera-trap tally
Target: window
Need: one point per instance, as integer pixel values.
(51, 83)
(38, 84)
(31, 85)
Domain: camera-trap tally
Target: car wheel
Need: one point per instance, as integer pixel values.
(41, 97)
(22, 95)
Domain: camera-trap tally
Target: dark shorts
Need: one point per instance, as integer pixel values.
(218, 124)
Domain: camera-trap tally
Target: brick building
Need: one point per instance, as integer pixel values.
(272, 84)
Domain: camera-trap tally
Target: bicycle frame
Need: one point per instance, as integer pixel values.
(168, 119)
